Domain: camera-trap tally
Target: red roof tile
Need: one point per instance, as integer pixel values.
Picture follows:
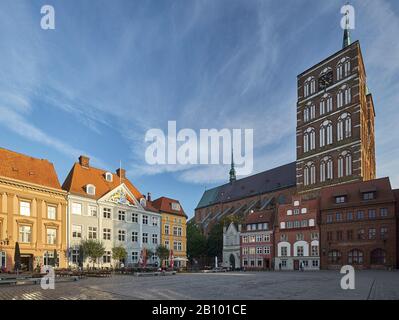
(25, 168)
(79, 177)
(164, 204)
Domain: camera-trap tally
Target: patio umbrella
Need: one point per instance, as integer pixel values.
(55, 258)
(17, 257)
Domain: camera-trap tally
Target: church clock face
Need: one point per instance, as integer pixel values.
(325, 80)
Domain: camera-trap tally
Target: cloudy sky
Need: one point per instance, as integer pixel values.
(111, 70)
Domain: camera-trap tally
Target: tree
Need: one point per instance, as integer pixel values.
(215, 241)
(17, 257)
(119, 253)
(215, 238)
(92, 249)
(196, 241)
(163, 253)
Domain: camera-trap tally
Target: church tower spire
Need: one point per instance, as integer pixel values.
(347, 38)
(232, 170)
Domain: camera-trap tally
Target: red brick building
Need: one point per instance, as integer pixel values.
(335, 122)
(257, 241)
(358, 225)
(297, 235)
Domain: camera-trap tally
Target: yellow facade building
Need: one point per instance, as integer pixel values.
(173, 229)
(32, 212)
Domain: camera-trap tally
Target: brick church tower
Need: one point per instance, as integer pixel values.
(335, 121)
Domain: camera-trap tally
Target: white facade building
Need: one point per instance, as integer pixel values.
(231, 247)
(107, 207)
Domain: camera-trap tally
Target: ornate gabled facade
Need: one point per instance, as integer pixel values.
(32, 212)
(106, 206)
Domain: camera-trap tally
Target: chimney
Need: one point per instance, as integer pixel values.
(121, 173)
(148, 196)
(84, 161)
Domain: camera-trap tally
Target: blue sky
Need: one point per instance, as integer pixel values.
(111, 70)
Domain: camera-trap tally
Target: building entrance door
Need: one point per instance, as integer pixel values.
(26, 262)
(232, 262)
(266, 264)
(296, 264)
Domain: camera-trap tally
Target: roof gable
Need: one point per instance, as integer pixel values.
(121, 195)
(164, 204)
(79, 177)
(25, 168)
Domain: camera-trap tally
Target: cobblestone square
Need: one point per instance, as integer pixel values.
(217, 286)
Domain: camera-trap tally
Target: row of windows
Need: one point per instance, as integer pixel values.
(360, 215)
(344, 97)
(177, 231)
(297, 224)
(343, 70)
(361, 234)
(107, 214)
(25, 235)
(300, 236)
(256, 250)
(256, 238)
(344, 131)
(356, 256)
(257, 226)
(300, 251)
(25, 210)
(92, 233)
(327, 169)
(315, 263)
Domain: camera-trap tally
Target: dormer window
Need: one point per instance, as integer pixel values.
(108, 176)
(340, 199)
(91, 189)
(143, 202)
(175, 206)
(368, 195)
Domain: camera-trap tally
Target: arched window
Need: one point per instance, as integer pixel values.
(325, 104)
(306, 114)
(322, 171)
(355, 256)
(344, 96)
(309, 140)
(340, 167)
(322, 106)
(340, 98)
(348, 164)
(348, 95)
(309, 174)
(347, 67)
(343, 68)
(329, 104)
(312, 174)
(309, 112)
(312, 85)
(330, 174)
(339, 71)
(306, 88)
(344, 126)
(326, 133)
(334, 257)
(326, 169)
(306, 176)
(378, 256)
